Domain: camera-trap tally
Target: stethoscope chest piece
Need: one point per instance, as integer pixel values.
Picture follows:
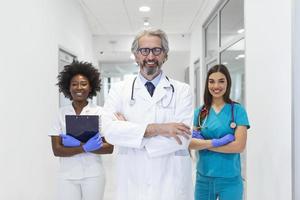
(233, 125)
(132, 102)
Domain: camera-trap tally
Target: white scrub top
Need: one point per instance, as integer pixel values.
(82, 165)
(155, 168)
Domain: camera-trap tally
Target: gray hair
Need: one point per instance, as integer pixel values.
(151, 32)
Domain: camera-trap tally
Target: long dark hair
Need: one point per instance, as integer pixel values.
(207, 96)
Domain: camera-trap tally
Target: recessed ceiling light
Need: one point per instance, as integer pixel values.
(144, 9)
(241, 31)
(146, 21)
(240, 56)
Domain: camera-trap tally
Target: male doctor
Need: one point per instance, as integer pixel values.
(148, 119)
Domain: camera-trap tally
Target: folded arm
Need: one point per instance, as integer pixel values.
(233, 144)
(116, 131)
(173, 130)
(160, 138)
(236, 146)
(174, 136)
(164, 129)
(200, 144)
(60, 150)
(105, 149)
(62, 147)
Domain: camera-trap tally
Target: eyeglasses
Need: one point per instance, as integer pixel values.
(155, 51)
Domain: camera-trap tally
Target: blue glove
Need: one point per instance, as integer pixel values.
(197, 135)
(69, 141)
(93, 143)
(223, 140)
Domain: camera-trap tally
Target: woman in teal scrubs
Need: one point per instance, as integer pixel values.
(219, 137)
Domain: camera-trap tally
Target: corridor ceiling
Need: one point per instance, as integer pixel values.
(122, 17)
(115, 22)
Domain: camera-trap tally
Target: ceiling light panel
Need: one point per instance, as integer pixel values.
(144, 9)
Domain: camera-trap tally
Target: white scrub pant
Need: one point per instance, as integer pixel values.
(83, 189)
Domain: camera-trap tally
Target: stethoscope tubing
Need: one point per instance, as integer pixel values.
(132, 99)
(232, 122)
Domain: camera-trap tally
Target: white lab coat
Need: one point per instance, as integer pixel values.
(155, 168)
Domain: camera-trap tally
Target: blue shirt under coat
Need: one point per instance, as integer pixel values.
(155, 81)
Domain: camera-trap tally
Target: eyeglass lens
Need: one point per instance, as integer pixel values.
(155, 51)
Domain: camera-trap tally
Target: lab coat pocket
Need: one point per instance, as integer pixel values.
(165, 114)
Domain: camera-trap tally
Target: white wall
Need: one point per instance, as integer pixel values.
(268, 95)
(178, 56)
(268, 99)
(296, 98)
(175, 65)
(31, 32)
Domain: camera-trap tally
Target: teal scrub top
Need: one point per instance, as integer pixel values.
(217, 125)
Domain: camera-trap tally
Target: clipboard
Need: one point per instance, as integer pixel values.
(82, 127)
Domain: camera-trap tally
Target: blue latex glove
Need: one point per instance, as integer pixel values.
(223, 140)
(197, 134)
(69, 141)
(93, 143)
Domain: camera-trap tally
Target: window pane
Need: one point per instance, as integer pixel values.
(211, 35)
(232, 20)
(233, 58)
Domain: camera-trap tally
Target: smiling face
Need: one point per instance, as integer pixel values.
(79, 88)
(217, 85)
(150, 64)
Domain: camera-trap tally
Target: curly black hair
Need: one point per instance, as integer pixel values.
(83, 68)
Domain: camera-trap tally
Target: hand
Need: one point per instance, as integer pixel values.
(93, 143)
(223, 140)
(69, 141)
(197, 134)
(168, 130)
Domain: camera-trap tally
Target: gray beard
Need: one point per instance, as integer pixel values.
(150, 71)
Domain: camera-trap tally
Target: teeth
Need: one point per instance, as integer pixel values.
(216, 91)
(79, 94)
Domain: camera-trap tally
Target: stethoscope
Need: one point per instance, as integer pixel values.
(132, 99)
(232, 122)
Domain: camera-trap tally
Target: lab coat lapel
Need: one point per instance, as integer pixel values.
(162, 89)
(141, 91)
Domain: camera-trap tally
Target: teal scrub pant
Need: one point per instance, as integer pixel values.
(211, 188)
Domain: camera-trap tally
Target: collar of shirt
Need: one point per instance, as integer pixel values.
(86, 109)
(155, 81)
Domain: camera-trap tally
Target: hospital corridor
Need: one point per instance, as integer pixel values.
(257, 41)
